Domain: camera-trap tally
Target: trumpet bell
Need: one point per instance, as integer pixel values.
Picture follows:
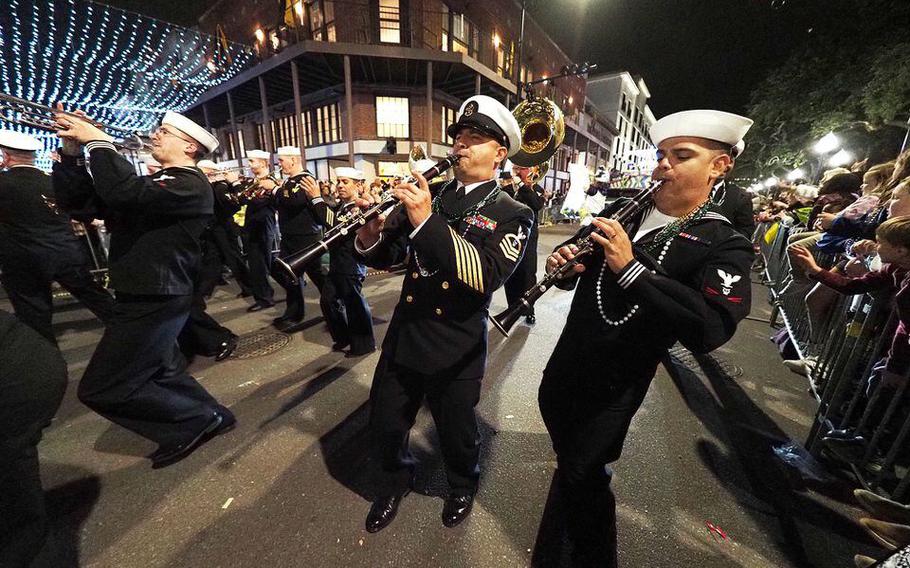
(543, 128)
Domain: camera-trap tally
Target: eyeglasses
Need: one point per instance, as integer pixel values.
(160, 131)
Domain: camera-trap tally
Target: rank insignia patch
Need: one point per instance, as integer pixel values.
(510, 245)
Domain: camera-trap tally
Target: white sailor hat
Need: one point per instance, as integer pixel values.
(207, 164)
(19, 141)
(723, 127)
(191, 129)
(491, 117)
(350, 173)
(258, 155)
(288, 151)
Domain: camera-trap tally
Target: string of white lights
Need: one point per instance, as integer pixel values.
(122, 68)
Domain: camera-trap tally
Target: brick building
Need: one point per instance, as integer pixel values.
(359, 82)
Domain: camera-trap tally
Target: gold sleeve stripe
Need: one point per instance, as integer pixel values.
(329, 216)
(467, 260)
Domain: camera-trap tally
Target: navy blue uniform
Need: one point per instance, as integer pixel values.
(436, 343)
(608, 353)
(301, 220)
(137, 376)
(260, 233)
(351, 321)
(38, 247)
(525, 275)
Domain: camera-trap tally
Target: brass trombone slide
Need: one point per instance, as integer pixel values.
(27, 113)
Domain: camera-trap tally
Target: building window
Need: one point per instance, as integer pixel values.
(448, 117)
(389, 21)
(231, 145)
(392, 117)
(463, 35)
(307, 129)
(327, 120)
(321, 19)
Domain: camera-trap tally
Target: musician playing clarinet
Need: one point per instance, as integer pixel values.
(463, 244)
(678, 272)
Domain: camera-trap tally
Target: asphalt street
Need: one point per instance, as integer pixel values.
(698, 483)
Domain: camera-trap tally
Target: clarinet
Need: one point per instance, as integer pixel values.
(504, 321)
(291, 267)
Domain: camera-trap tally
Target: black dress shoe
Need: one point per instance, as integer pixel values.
(841, 434)
(259, 306)
(531, 319)
(168, 455)
(360, 352)
(227, 348)
(456, 509)
(382, 512)
(850, 450)
(340, 345)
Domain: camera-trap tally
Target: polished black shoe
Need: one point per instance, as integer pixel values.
(841, 434)
(456, 509)
(281, 320)
(259, 306)
(168, 455)
(531, 319)
(360, 352)
(340, 345)
(382, 512)
(227, 348)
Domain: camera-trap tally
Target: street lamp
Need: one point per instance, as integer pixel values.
(828, 143)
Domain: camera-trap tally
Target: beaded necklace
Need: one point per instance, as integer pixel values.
(662, 240)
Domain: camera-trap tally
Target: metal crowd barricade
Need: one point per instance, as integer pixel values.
(850, 340)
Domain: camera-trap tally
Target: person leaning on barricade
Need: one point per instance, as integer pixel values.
(894, 249)
(137, 377)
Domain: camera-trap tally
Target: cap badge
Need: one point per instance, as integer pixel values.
(470, 108)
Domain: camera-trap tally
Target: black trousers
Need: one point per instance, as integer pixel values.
(351, 321)
(28, 284)
(295, 309)
(202, 334)
(32, 380)
(525, 274)
(137, 376)
(395, 398)
(258, 246)
(225, 251)
(587, 414)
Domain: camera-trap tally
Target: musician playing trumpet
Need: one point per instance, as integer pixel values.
(678, 272)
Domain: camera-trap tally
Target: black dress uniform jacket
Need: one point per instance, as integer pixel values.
(343, 259)
(298, 215)
(525, 275)
(156, 222)
(31, 225)
(440, 322)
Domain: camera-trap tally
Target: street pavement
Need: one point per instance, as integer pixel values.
(698, 484)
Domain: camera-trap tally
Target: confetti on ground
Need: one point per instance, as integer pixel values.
(716, 530)
(360, 542)
(248, 384)
(510, 416)
(227, 503)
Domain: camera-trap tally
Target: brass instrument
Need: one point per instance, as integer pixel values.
(543, 129)
(504, 320)
(26, 113)
(289, 268)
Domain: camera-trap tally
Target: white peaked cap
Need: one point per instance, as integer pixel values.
(207, 164)
(19, 141)
(288, 151)
(258, 155)
(490, 116)
(191, 129)
(723, 127)
(350, 173)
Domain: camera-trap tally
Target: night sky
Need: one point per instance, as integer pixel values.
(691, 53)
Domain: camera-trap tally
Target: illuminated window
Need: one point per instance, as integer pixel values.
(389, 21)
(448, 117)
(321, 15)
(392, 117)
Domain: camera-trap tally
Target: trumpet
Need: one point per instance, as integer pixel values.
(27, 113)
(290, 267)
(504, 320)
